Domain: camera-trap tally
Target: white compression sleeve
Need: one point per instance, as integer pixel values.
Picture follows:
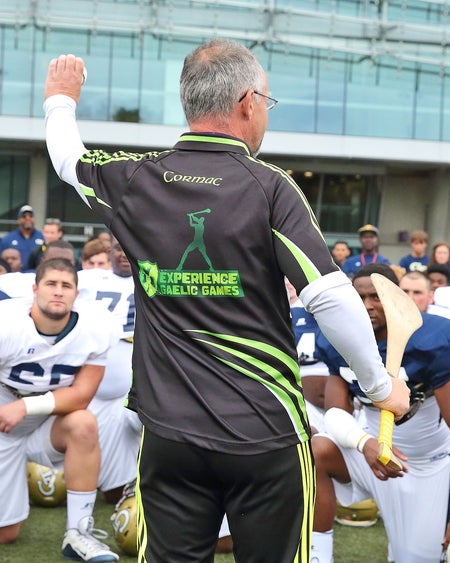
(344, 321)
(64, 143)
(344, 428)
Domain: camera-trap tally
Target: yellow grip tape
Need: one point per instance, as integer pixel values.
(385, 436)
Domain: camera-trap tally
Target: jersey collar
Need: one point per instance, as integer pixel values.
(211, 142)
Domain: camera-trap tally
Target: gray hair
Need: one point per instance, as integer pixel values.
(215, 75)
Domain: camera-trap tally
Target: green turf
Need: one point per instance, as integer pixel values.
(41, 537)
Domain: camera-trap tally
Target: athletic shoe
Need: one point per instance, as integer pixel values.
(81, 544)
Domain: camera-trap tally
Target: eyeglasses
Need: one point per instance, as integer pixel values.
(270, 104)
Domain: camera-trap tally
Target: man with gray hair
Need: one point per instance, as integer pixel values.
(216, 379)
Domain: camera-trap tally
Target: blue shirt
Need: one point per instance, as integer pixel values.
(425, 361)
(15, 239)
(355, 263)
(412, 264)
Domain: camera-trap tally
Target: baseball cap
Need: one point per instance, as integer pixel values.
(25, 209)
(368, 229)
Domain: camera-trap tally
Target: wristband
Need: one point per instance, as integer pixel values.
(362, 442)
(41, 404)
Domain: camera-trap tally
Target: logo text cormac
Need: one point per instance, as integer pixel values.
(170, 176)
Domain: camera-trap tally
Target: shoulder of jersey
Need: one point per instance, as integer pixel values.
(15, 306)
(432, 335)
(98, 276)
(92, 309)
(97, 320)
(442, 296)
(17, 284)
(94, 275)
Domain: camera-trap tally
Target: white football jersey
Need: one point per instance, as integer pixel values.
(116, 293)
(18, 284)
(31, 363)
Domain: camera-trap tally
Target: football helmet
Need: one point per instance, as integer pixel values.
(124, 521)
(46, 485)
(361, 514)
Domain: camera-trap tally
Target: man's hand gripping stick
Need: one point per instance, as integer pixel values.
(403, 318)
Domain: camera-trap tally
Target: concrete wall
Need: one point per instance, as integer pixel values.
(410, 202)
(439, 209)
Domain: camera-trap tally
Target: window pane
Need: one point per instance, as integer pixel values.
(14, 179)
(344, 203)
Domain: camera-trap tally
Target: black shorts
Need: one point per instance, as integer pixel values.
(183, 492)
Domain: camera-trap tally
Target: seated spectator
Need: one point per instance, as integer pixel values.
(5, 268)
(95, 254)
(368, 237)
(340, 251)
(418, 286)
(52, 230)
(439, 275)
(105, 236)
(440, 254)
(26, 237)
(13, 257)
(417, 259)
(59, 249)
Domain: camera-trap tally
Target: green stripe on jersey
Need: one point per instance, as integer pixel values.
(100, 157)
(90, 193)
(218, 140)
(310, 271)
(292, 182)
(281, 387)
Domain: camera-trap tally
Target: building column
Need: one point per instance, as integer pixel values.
(438, 220)
(38, 186)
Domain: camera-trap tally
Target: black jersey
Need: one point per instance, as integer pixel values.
(210, 232)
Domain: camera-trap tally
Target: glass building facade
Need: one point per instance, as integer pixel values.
(377, 70)
(368, 68)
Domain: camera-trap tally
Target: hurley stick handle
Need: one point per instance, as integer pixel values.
(403, 318)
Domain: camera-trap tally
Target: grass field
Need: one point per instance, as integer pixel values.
(41, 538)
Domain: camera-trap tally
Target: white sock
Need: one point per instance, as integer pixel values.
(322, 547)
(79, 505)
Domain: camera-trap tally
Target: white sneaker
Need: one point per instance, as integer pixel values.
(82, 545)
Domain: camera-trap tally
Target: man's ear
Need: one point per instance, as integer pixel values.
(247, 105)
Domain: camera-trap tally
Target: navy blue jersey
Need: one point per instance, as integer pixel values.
(306, 331)
(425, 364)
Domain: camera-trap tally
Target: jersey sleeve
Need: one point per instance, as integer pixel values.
(102, 330)
(89, 172)
(97, 171)
(301, 250)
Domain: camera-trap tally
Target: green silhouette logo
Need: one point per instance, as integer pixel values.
(190, 283)
(196, 221)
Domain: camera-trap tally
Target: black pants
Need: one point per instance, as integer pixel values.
(183, 492)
